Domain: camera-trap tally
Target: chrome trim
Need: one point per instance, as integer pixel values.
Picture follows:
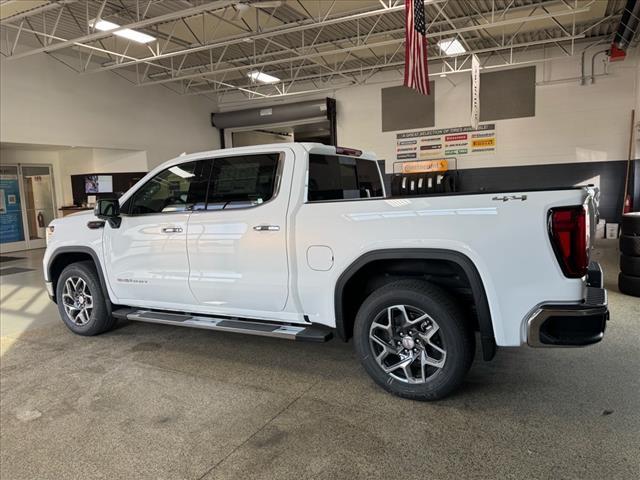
(49, 287)
(172, 230)
(266, 228)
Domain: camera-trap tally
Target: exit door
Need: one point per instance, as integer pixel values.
(27, 205)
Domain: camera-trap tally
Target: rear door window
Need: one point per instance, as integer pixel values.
(334, 177)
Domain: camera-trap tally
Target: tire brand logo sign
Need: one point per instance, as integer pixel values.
(446, 142)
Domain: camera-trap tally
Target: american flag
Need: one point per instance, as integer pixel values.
(416, 73)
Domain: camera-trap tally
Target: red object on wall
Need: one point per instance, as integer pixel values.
(615, 54)
(628, 204)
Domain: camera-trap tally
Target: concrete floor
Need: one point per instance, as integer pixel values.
(159, 402)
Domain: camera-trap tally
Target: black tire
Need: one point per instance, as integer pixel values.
(629, 285)
(631, 224)
(630, 265)
(455, 335)
(630, 245)
(99, 319)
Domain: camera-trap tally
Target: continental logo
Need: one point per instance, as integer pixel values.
(425, 166)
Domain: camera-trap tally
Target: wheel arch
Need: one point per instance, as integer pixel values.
(344, 322)
(64, 256)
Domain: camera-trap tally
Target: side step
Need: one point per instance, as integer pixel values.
(250, 327)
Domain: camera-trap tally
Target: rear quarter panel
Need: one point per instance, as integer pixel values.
(507, 242)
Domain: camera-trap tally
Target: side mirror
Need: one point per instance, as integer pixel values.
(108, 209)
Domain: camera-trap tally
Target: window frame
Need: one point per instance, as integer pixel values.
(306, 192)
(276, 188)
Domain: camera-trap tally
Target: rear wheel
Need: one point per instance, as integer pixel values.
(413, 340)
(81, 302)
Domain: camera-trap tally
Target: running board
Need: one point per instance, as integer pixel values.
(249, 327)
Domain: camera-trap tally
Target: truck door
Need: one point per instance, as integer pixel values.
(146, 257)
(237, 245)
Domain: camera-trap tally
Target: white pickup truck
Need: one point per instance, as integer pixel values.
(299, 241)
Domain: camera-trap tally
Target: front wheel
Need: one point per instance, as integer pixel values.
(81, 301)
(412, 339)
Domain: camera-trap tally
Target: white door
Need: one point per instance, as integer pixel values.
(238, 245)
(146, 257)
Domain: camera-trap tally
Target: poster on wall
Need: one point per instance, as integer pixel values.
(446, 142)
(11, 229)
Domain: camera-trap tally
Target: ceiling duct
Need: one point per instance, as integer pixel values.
(627, 29)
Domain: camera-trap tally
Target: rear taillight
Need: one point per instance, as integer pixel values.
(569, 232)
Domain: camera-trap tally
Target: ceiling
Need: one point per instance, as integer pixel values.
(210, 47)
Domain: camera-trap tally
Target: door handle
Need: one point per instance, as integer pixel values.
(171, 230)
(266, 228)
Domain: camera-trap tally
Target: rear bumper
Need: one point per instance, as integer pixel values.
(572, 325)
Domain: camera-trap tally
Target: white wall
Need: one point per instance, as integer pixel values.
(572, 123)
(637, 114)
(45, 102)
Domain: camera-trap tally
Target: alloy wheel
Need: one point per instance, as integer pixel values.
(407, 344)
(77, 300)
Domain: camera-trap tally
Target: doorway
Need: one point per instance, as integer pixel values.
(27, 205)
(260, 137)
(312, 130)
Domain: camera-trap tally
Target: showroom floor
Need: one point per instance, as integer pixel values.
(152, 401)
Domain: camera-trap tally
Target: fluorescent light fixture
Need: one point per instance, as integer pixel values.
(180, 172)
(451, 46)
(263, 77)
(105, 26)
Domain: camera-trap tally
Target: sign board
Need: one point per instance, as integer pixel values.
(423, 166)
(446, 142)
(10, 210)
(475, 91)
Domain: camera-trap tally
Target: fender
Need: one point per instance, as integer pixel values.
(92, 253)
(487, 336)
